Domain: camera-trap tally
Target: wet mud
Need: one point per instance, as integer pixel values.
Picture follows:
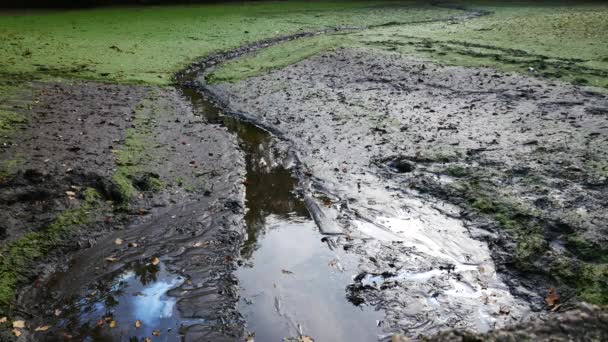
(389, 144)
(351, 196)
(170, 247)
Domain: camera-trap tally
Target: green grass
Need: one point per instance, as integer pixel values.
(274, 57)
(567, 40)
(149, 44)
(561, 40)
(17, 256)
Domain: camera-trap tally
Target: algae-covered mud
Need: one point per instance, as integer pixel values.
(317, 171)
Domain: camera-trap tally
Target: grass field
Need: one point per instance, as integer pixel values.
(149, 44)
(561, 40)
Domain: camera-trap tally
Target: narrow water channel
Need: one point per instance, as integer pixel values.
(292, 281)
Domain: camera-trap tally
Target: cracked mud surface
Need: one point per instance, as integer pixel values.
(385, 140)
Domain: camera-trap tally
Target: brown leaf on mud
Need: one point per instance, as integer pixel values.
(286, 272)
(16, 332)
(43, 328)
(327, 202)
(552, 298)
(19, 324)
(155, 261)
(156, 332)
(118, 241)
(138, 324)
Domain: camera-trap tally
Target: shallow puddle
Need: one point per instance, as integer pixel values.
(294, 284)
(133, 306)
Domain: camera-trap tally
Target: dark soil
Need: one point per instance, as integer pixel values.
(182, 197)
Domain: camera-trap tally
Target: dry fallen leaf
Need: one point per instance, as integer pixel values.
(112, 324)
(19, 324)
(3, 320)
(71, 194)
(16, 332)
(552, 298)
(118, 241)
(138, 324)
(43, 328)
(156, 332)
(111, 259)
(155, 261)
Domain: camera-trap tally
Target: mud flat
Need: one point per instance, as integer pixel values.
(466, 192)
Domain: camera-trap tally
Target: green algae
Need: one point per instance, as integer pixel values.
(149, 44)
(17, 256)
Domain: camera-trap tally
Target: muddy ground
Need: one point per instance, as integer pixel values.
(389, 143)
(165, 184)
(458, 199)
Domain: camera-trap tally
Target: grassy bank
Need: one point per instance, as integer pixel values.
(567, 41)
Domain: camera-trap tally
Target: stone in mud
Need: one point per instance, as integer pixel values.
(401, 165)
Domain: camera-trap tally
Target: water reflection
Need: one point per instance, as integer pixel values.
(269, 186)
(133, 305)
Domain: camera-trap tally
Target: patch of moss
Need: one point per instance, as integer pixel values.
(10, 166)
(135, 156)
(456, 171)
(528, 249)
(584, 268)
(589, 280)
(9, 120)
(587, 250)
(17, 256)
